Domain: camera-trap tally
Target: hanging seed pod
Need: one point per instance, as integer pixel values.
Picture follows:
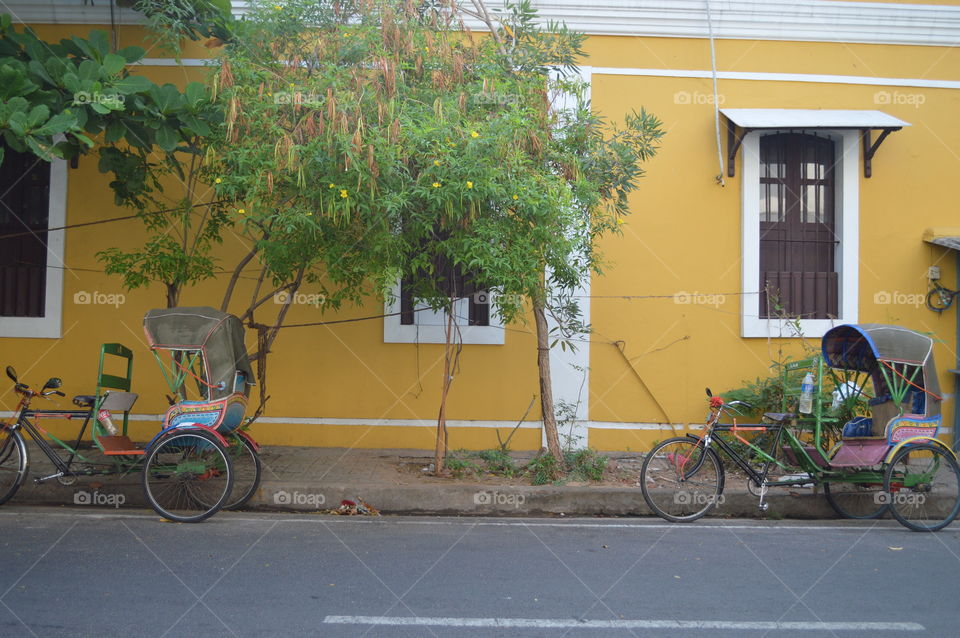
(395, 131)
(331, 105)
(462, 101)
(372, 162)
(270, 182)
(321, 123)
(226, 75)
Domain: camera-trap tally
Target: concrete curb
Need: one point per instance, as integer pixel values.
(433, 499)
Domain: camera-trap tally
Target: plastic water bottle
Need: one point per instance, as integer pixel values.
(806, 394)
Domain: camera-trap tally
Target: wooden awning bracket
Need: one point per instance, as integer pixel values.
(870, 149)
(736, 134)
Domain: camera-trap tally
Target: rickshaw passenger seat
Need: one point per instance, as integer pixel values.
(84, 400)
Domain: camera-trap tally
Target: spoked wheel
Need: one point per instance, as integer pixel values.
(856, 500)
(187, 476)
(13, 463)
(680, 480)
(246, 471)
(922, 485)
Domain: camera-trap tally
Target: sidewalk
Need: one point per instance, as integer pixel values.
(310, 479)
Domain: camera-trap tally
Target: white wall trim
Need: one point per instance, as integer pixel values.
(705, 74)
(816, 78)
(430, 423)
(847, 191)
(395, 332)
(789, 20)
(48, 326)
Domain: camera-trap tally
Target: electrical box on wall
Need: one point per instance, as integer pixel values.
(933, 273)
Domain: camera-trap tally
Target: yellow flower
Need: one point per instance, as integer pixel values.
(436, 184)
(241, 211)
(619, 222)
(331, 186)
(343, 193)
(217, 181)
(474, 134)
(277, 7)
(516, 197)
(436, 162)
(469, 184)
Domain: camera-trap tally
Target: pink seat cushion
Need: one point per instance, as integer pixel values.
(865, 453)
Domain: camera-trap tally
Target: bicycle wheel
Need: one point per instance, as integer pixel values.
(681, 480)
(922, 485)
(246, 468)
(13, 463)
(856, 500)
(187, 476)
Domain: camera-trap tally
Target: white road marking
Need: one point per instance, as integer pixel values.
(779, 526)
(551, 623)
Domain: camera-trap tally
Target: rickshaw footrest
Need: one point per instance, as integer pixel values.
(116, 445)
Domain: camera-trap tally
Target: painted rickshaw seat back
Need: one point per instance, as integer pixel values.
(113, 390)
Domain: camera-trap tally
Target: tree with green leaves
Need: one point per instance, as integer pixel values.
(382, 138)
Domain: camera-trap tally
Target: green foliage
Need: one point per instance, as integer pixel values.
(585, 464)
(58, 97)
(397, 140)
(498, 462)
(544, 468)
(460, 464)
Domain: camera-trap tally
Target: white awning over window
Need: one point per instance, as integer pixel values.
(740, 122)
(811, 118)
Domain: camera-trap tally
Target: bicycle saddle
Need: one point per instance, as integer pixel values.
(84, 400)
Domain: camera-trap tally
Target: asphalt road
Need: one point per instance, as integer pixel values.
(97, 572)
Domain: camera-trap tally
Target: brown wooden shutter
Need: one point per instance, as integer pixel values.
(24, 206)
(798, 238)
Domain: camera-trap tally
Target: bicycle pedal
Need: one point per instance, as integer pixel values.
(764, 507)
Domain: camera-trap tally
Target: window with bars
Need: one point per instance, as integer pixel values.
(472, 302)
(798, 230)
(24, 207)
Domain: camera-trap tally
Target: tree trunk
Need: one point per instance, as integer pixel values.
(546, 389)
(441, 450)
(173, 295)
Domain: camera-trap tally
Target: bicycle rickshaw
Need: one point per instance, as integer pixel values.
(188, 469)
(890, 460)
(206, 345)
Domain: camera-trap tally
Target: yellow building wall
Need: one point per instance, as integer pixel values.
(683, 236)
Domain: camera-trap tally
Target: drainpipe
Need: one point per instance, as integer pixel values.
(956, 373)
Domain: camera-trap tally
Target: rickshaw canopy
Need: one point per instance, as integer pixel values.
(217, 335)
(897, 359)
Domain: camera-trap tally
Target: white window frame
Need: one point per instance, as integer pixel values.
(430, 326)
(49, 325)
(847, 211)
